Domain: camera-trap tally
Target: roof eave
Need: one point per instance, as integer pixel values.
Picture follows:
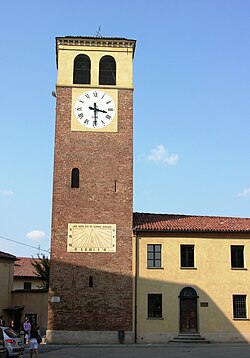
(136, 230)
(93, 38)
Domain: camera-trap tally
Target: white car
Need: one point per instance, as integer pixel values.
(13, 343)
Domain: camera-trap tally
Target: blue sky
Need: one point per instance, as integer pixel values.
(191, 106)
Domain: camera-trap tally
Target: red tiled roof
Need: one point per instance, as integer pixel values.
(24, 268)
(169, 222)
(5, 255)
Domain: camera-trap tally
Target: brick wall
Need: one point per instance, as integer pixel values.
(102, 159)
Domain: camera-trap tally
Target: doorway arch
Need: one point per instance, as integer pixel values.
(188, 310)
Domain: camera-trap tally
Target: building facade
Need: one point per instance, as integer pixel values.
(29, 293)
(192, 277)
(21, 295)
(6, 283)
(91, 290)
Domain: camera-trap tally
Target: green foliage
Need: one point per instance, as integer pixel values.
(42, 269)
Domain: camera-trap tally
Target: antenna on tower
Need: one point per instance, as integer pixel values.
(98, 32)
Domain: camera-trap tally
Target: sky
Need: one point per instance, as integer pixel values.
(191, 107)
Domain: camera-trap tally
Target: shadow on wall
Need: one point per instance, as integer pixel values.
(86, 299)
(187, 309)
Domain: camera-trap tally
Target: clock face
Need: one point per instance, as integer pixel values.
(91, 238)
(94, 109)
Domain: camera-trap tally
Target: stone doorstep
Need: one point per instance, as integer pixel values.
(189, 338)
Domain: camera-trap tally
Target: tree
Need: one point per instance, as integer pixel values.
(42, 269)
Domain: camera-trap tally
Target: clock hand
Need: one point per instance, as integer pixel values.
(95, 114)
(101, 110)
(97, 109)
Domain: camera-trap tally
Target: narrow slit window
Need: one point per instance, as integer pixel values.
(115, 186)
(82, 68)
(75, 178)
(107, 71)
(90, 281)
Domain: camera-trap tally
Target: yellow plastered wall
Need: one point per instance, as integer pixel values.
(212, 278)
(6, 284)
(18, 283)
(123, 57)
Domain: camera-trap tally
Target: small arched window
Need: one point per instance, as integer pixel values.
(75, 178)
(82, 67)
(107, 71)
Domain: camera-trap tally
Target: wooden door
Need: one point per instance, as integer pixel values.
(188, 315)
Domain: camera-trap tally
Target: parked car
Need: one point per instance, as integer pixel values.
(13, 343)
(3, 352)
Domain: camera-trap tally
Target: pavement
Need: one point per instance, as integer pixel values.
(233, 350)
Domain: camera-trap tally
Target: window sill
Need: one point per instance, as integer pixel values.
(188, 268)
(239, 268)
(155, 318)
(240, 319)
(153, 267)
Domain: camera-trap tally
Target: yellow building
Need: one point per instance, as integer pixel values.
(6, 281)
(21, 295)
(192, 278)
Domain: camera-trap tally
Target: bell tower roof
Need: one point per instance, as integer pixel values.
(89, 41)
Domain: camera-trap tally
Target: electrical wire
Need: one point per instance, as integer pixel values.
(21, 243)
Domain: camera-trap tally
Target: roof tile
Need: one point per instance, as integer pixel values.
(24, 267)
(6, 255)
(174, 222)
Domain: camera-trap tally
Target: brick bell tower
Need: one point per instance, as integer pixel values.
(91, 282)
